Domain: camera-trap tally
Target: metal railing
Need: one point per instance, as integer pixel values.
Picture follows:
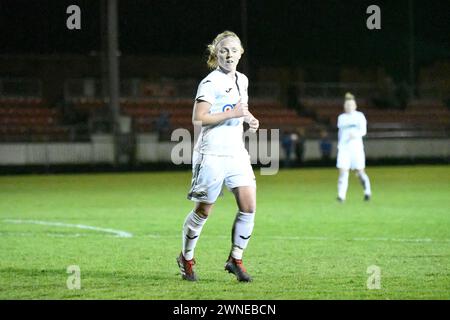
(131, 88)
(185, 89)
(20, 88)
(334, 90)
(141, 89)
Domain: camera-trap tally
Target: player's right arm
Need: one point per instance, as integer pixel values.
(201, 113)
(339, 122)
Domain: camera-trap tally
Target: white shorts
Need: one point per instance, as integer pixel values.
(210, 173)
(351, 159)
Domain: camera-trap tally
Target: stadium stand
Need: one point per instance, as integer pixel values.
(33, 119)
(421, 118)
(145, 113)
(29, 119)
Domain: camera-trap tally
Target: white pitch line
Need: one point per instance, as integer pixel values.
(33, 234)
(360, 239)
(118, 233)
(425, 240)
(317, 238)
(124, 234)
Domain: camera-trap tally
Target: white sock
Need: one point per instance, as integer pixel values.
(242, 231)
(191, 232)
(364, 178)
(342, 184)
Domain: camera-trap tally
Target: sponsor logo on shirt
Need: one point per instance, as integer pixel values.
(228, 107)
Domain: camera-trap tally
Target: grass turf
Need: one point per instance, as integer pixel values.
(305, 245)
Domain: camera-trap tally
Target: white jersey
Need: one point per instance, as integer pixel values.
(351, 124)
(223, 93)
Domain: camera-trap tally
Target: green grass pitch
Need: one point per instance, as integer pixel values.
(305, 245)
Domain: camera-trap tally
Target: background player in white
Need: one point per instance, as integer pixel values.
(352, 127)
(220, 156)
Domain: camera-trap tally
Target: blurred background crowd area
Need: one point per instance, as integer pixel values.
(301, 58)
(62, 98)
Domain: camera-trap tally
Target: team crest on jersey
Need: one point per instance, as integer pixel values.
(228, 107)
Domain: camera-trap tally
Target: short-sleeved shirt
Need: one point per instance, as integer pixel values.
(351, 123)
(223, 93)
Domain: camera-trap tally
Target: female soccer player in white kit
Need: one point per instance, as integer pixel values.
(220, 156)
(352, 127)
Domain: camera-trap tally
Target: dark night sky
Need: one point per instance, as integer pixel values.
(287, 32)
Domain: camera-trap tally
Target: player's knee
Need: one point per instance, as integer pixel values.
(248, 207)
(251, 211)
(343, 173)
(203, 210)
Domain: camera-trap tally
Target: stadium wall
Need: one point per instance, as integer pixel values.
(148, 150)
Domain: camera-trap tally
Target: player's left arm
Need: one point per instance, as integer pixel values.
(250, 119)
(363, 126)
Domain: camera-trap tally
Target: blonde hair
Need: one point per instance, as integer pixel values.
(212, 48)
(349, 96)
